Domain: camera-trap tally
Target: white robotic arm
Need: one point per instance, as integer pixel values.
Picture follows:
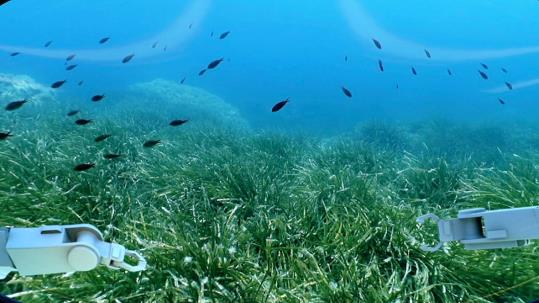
(60, 249)
(478, 228)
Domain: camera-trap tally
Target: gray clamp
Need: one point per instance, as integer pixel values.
(61, 249)
(478, 228)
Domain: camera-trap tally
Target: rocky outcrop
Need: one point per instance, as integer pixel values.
(151, 103)
(17, 87)
(167, 99)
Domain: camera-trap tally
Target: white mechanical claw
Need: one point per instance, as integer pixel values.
(478, 228)
(60, 249)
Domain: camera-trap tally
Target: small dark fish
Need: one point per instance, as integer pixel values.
(165, 48)
(215, 63)
(111, 156)
(224, 35)
(211, 35)
(428, 54)
(155, 44)
(182, 81)
(190, 25)
(15, 105)
(98, 98)
(484, 65)
(501, 101)
(128, 58)
(509, 85)
(449, 72)
(15, 54)
(504, 70)
(397, 86)
(70, 57)
(414, 71)
(346, 92)
(71, 67)
(4, 136)
(381, 65)
(72, 113)
(483, 75)
(202, 72)
(80, 83)
(151, 143)
(104, 40)
(345, 58)
(177, 122)
(277, 107)
(58, 84)
(84, 166)
(48, 44)
(82, 122)
(377, 43)
(102, 138)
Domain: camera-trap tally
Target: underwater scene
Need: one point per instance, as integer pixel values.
(269, 151)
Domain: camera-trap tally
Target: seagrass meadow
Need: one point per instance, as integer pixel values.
(234, 215)
(268, 151)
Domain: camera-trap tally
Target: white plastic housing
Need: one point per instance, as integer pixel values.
(53, 249)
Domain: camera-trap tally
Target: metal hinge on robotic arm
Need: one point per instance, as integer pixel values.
(481, 229)
(60, 249)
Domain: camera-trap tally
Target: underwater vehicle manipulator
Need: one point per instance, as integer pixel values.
(61, 249)
(478, 228)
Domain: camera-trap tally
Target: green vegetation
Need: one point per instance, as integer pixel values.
(233, 216)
